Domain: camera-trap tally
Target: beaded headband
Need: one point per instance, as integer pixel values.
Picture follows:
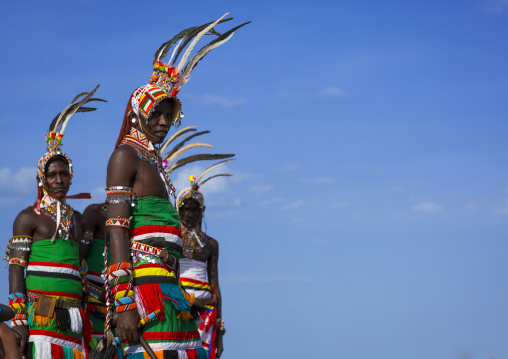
(167, 79)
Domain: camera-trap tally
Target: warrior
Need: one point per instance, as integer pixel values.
(143, 226)
(199, 266)
(47, 302)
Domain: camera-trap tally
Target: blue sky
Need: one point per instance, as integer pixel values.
(368, 211)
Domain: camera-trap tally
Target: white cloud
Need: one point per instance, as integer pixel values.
(289, 167)
(339, 205)
(22, 181)
(293, 205)
(428, 207)
(319, 180)
(333, 92)
(223, 101)
(261, 188)
(237, 279)
(494, 6)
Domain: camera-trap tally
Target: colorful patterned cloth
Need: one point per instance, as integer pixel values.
(53, 270)
(96, 308)
(155, 223)
(193, 275)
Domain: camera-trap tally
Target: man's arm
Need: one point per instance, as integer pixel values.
(23, 226)
(213, 277)
(122, 171)
(90, 222)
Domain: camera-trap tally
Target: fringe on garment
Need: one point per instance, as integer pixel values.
(66, 319)
(45, 350)
(150, 297)
(172, 354)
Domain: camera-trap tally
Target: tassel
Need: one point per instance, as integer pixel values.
(68, 352)
(202, 354)
(191, 354)
(149, 298)
(87, 330)
(75, 320)
(42, 350)
(170, 354)
(57, 351)
(174, 292)
(63, 319)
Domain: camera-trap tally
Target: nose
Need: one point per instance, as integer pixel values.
(164, 120)
(59, 178)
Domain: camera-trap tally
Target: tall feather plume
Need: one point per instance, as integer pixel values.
(163, 50)
(60, 122)
(180, 145)
(191, 35)
(196, 39)
(208, 169)
(176, 136)
(200, 157)
(178, 153)
(209, 178)
(206, 49)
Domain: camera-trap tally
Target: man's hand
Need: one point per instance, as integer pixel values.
(218, 344)
(22, 337)
(127, 326)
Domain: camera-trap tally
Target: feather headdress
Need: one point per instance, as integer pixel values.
(57, 128)
(167, 79)
(171, 161)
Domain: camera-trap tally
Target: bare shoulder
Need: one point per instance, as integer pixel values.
(24, 222)
(212, 242)
(122, 166)
(77, 215)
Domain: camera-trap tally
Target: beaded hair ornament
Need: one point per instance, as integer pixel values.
(196, 183)
(168, 78)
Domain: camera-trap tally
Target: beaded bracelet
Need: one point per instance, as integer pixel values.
(220, 326)
(124, 301)
(17, 302)
(125, 308)
(18, 261)
(119, 222)
(119, 194)
(87, 237)
(20, 243)
(143, 321)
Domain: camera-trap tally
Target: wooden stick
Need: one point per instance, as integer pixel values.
(146, 346)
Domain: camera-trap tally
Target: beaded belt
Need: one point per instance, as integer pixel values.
(153, 254)
(59, 303)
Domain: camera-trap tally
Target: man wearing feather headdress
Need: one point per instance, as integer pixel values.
(49, 316)
(143, 226)
(199, 268)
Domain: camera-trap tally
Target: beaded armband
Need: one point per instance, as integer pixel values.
(143, 321)
(120, 279)
(18, 243)
(119, 222)
(18, 261)
(17, 302)
(87, 238)
(119, 194)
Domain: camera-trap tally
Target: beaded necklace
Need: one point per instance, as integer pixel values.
(64, 220)
(147, 152)
(189, 237)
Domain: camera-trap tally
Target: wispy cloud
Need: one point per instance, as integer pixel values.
(236, 279)
(272, 201)
(333, 92)
(339, 205)
(292, 205)
(494, 6)
(223, 101)
(319, 180)
(261, 188)
(428, 207)
(215, 185)
(22, 181)
(289, 167)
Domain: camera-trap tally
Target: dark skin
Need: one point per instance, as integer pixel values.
(191, 214)
(40, 227)
(125, 168)
(8, 344)
(94, 220)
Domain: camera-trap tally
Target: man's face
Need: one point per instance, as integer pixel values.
(159, 122)
(58, 179)
(190, 213)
